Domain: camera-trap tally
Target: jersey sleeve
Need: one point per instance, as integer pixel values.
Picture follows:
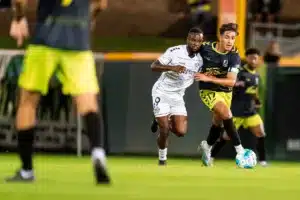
(241, 76)
(166, 58)
(235, 63)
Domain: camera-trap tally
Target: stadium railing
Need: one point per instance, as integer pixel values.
(287, 35)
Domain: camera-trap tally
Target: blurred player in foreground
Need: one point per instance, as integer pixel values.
(245, 103)
(218, 75)
(61, 38)
(178, 66)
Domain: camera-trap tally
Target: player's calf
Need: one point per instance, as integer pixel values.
(259, 132)
(217, 148)
(214, 133)
(25, 125)
(162, 139)
(224, 112)
(87, 106)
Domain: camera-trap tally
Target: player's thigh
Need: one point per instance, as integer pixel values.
(255, 125)
(208, 97)
(177, 105)
(179, 115)
(221, 106)
(39, 65)
(179, 124)
(78, 73)
(161, 106)
(227, 96)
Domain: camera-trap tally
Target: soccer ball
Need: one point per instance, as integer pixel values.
(246, 160)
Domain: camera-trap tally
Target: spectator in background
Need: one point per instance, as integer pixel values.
(266, 11)
(272, 54)
(200, 14)
(10, 86)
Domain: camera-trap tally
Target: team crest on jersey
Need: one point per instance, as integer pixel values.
(225, 63)
(256, 80)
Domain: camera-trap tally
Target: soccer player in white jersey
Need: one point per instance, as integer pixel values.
(178, 66)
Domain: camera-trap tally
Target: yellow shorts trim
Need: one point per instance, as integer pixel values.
(247, 122)
(210, 98)
(75, 69)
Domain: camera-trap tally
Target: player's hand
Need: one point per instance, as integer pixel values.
(179, 69)
(239, 84)
(19, 31)
(202, 77)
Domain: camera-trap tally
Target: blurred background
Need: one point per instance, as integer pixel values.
(129, 36)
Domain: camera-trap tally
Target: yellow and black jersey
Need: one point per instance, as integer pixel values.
(63, 24)
(244, 98)
(218, 64)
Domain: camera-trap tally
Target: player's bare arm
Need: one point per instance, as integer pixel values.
(229, 81)
(19, 26)
(156, 66)
(19, 9)
(96, 6)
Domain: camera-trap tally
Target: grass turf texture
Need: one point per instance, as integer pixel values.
(70, 178)
(121, 44)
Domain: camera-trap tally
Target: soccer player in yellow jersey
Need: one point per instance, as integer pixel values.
(60, 42)
(221, 62)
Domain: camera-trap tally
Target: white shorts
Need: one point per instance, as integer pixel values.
(165, 104)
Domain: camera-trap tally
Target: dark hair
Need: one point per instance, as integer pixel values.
(229, 27)
(196, 30)
(252, 51)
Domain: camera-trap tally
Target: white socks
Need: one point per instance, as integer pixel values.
(99, 153)
(162, 154)
(239, 148)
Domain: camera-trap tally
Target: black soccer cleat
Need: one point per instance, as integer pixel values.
(19, 178)
(162, 162)
(154, 126)
(101, 173)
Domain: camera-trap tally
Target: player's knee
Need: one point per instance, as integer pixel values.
(86, 103)
(261, 134)
(180, 132)
(226, 114)
(217, 120)
(26, 113)
(164, 131)
(258, 131)
(29, 99)
(163, 127)
(222, 111)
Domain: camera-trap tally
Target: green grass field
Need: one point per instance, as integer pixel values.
(70, 178)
